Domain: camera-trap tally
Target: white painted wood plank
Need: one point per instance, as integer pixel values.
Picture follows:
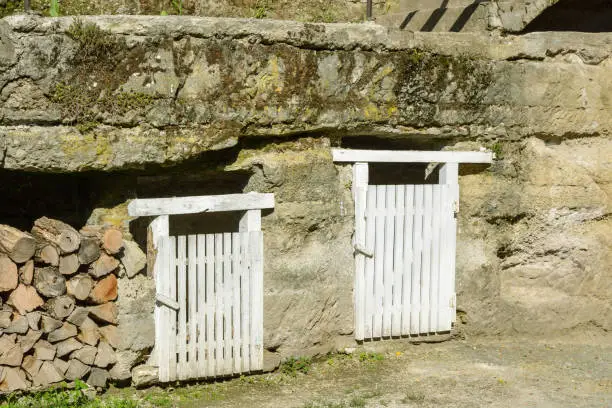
(449, 174)
(197, 204)
(256, 250)
(379, 263)
(426, 259)
(408, 259)
(435, 260)
(398, 261)
(446, 312)
(417, 241)
(410, 156)
(210, 305)
(246, 302)
(181, 258)
(219, 304)
(368, 298)
(388, 262)
(159, 227)
(192, 302)
(360, 186)
(250, 221)
(236, 303)
(201, 309)
(172, 314)
(161, 317)
(227, 303)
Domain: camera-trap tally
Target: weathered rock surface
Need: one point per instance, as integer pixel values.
(356, 79)
(144, 375)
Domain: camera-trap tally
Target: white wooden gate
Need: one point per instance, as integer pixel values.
(403, 286)
(405, 240)
(209, 309)
(210, 305)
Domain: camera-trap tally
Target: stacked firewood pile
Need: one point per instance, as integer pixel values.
(57, 315)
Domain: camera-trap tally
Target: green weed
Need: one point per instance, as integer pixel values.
(54, 8)
(370, 357)
(294, 365)
(63, 397)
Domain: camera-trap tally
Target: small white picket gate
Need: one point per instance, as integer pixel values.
(209, 308)
(210, 305)
(405, 241)
(403, 284)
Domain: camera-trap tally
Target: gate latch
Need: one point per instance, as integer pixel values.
(363, 251)
(166, 301)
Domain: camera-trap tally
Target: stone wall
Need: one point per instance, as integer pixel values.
(258, 104)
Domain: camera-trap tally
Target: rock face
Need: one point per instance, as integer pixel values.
(270, 98)
(356, 79)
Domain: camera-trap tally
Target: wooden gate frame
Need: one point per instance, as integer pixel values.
(161, 208)
(448, 174)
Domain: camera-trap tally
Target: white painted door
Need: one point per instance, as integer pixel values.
(404, 257)
(209, 313)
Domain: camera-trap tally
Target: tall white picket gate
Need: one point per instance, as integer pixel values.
(209, 309)
(405, 240)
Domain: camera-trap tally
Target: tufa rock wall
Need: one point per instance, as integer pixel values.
(185, 104)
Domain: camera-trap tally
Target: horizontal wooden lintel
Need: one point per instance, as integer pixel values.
(198, 204)
(410, 156)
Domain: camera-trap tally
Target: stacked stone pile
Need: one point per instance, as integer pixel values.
(58, 316)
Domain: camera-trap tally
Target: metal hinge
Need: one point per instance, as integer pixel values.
(362, 250)
(456, 207)
(166, 301)
(453, 301)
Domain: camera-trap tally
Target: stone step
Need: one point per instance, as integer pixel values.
(409, 5)
(456, 19)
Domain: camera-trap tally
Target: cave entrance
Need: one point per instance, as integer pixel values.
(209, 287)
(405, 239)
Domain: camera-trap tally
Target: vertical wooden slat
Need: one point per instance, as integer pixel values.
(210, 305)
(360, 186)
(445, 290)
(219, 304)
(192, 301)
(162, 321)
(435, 261)
(201, 309)
(246, 302)
(236, 304)
(379, 259)
(426, 260)
(170, 313)
(181, 260)
(227, 303)
(408, 258)
(368, 299)
(256, 250)
(417, 239)
(449, 175)
(398, 259)
(388, 262)
(159, 227)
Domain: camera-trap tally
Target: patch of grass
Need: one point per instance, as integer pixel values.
(54, 8)
(370, 357)
(63, 397)
(294, 365)
(261, 9)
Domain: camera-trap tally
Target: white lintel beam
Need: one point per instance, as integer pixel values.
(198, 204)
(410, 156)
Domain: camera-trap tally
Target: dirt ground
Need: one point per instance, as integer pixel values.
(573, 371)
